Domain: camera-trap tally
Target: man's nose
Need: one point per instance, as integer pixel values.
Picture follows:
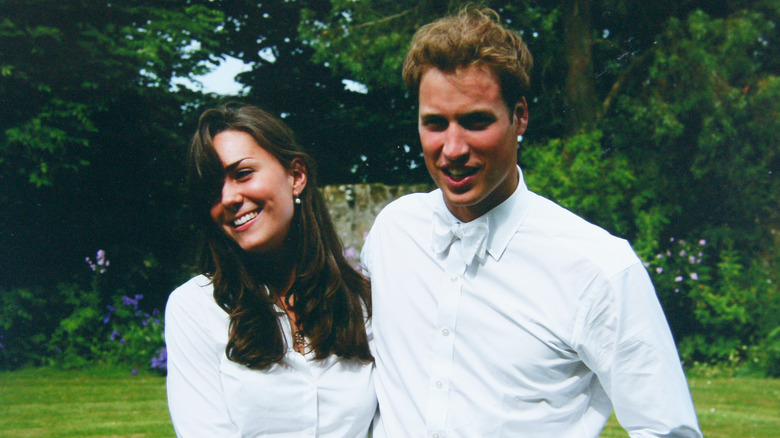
(455, 145)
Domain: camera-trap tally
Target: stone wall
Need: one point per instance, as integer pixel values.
(353, 207)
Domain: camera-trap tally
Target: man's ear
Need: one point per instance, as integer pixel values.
(298, 173)
(520, 116)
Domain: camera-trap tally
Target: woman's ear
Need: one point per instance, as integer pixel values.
(298, 174)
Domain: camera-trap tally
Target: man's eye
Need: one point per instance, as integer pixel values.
(434, 124)
(477, 123)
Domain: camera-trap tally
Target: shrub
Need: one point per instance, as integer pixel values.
(79, 324)
(27, 318)
(716, 307)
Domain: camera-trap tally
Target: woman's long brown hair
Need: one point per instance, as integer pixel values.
(331, 299)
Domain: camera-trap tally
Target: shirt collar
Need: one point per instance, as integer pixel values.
(503, 220)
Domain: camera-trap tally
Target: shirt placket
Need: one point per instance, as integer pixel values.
(448, 298)
(309, 395)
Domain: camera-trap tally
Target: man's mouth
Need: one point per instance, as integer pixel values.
(459, 172)
(245, 218)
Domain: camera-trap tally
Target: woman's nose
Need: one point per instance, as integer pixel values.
(231, 196)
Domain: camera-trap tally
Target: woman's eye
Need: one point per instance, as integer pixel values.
(242, 174)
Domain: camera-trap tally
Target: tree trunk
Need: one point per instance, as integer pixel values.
(580, 99)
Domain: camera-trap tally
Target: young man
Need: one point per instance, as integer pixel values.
(497, 313)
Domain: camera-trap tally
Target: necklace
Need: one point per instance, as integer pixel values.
(299, 342)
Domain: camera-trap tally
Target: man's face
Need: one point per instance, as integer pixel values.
(469, 138)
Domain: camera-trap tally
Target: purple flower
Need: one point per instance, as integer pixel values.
(134, 371)
(694, 276)
(107, 318)
(122, 341)
(101, 262)
(351, 253)
(702, 242)
(161, 360)
(114, 335)
(145, 322)
(678, 278)
(659, 270)
(127, 301)
(90, 264)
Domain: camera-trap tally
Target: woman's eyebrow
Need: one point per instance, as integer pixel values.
(231, 167)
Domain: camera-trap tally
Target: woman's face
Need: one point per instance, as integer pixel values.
(256, 206)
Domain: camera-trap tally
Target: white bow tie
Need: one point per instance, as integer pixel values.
(473, 236)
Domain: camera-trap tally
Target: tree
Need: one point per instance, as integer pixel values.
(91, 130)
(580, 97)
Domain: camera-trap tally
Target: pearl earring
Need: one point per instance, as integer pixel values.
(297, 200)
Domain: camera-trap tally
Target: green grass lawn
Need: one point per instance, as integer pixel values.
(108, 402)
(100, 402)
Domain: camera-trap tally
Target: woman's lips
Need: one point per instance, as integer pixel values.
(243, 219)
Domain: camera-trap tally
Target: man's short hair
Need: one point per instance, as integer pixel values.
(472, 38)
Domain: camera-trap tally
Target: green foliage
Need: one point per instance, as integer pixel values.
(576, 173)
(717, 307)
(25, 322)
(66, 62)
(763, 359)
(135, 338)
(81, 323)
(366, 41)
(704, 126)
(75, 342)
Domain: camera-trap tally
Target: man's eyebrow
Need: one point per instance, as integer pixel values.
(477, 114)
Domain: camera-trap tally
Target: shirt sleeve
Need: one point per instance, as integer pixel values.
(365, 253)
(626, 341)
(195, 397)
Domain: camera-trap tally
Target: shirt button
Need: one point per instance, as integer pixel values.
(438, 384)
(435, 435)
(453, 278)
(445, 332)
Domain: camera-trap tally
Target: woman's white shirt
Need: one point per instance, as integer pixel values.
(209, 395)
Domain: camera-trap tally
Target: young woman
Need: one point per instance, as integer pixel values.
(270, 340)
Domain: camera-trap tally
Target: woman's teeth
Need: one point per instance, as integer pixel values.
(244, 219)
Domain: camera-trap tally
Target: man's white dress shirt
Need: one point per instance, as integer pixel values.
(211, 396)
(552, 324)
